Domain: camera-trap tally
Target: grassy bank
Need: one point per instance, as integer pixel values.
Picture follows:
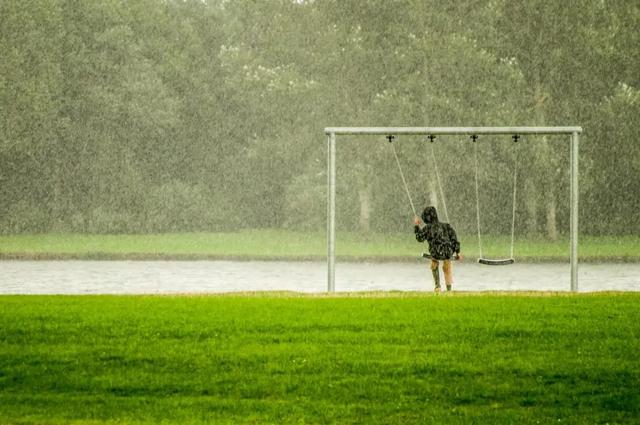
(280, 244)
(402, 358)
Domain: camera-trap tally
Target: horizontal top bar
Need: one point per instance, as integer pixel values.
(451, 130)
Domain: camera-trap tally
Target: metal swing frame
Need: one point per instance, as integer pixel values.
(333, 132)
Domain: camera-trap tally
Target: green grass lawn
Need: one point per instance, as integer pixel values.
(281, 244)
(387, 358)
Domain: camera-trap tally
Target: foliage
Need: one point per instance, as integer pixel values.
(110, 109)
(617, 145)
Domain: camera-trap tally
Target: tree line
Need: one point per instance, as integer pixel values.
(177, 116)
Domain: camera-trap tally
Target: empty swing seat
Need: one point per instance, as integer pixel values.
(501, 262)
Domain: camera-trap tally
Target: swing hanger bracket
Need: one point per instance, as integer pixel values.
(515, 138)
(431, 137)
(474, 137)
(390, 137)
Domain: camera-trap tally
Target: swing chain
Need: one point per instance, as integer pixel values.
(390, 137)
(431, 138)
(510, 260)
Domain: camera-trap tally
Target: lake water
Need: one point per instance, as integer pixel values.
(166, 277)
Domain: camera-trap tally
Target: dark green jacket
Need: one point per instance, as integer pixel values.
(442, 239)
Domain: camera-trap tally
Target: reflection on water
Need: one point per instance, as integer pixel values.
(137, 277)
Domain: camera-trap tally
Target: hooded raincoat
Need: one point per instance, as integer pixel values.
(442, 239)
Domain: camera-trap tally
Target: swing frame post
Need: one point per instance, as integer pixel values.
(332, 132)
(331, 213)
(575, 140)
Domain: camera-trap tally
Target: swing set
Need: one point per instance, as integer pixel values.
(482, 259)
(473, 132)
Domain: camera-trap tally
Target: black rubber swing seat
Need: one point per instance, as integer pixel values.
(501, 262)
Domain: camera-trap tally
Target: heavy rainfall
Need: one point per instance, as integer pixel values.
(167, 199)
(205, 120)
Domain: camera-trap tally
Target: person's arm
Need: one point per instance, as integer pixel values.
(420, 230)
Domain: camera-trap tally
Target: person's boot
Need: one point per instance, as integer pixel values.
(436, 279)
(448, 287)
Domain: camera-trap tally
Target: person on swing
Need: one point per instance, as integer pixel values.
(443, 244)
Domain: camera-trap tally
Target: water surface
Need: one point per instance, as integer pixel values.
(166, 277)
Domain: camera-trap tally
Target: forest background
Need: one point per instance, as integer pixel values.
(159, 116)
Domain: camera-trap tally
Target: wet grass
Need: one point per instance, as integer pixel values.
(288, 358)
(280, 244)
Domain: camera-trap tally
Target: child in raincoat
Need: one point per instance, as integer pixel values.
(443, 244)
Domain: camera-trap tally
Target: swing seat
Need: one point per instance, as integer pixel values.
(501, 262)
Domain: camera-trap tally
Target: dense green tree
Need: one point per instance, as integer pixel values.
(612, 170)
(565, 52)
(408, 63)
(158, 115)
(30, 98)
(611, 153)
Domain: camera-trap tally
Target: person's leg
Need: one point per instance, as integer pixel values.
(448, 273)
(436, 274)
